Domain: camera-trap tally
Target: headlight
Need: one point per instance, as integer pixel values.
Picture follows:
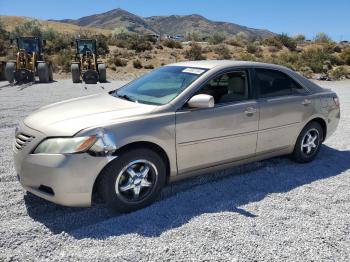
(65, 145)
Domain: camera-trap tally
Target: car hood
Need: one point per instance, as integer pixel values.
(68, 117)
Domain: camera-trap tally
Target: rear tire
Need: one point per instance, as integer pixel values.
(308, 143)
(50, 73)
(10, 71)
(102, 73)
(75, 73)
(43, 73)
(125, 190)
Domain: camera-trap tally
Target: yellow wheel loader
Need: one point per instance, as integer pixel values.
(86, 66)
(30, 62)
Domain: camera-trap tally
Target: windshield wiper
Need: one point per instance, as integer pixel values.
(126, 97)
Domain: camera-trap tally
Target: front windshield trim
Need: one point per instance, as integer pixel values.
(172, 81)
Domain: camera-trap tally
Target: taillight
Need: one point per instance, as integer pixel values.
(336, 101)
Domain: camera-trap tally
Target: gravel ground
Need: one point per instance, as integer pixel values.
(272, 210)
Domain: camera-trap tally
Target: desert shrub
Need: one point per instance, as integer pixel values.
(2, 28)
(194, 53)
(172, 43)
(273, 41)
(340, 72)
(193, 36)
(207, 49)
(58, 43)
(223, 52)
(138, 43)
(120, 33)
(247, 57)
(336, 59)
(287, 41)
(300, 38)
(3, 47)
(288, 59)
(137, 64)
(117, 61)
(241, 37)
(337, 49)
(345, 55)
(63, 60)
(234, 42)
(306, 71)
(30, 28)
(217, 38)
(148, 67)
(323, 38)
(121, 43)
(273, 49)
(50, 34)
(315, 58)
(252, 48)
(102, 44)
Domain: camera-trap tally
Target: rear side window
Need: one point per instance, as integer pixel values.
(273, 83)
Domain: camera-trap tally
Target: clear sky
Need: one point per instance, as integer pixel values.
(289, 16)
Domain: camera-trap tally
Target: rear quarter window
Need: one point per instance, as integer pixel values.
(273, 83)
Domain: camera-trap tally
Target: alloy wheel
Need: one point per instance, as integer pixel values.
(310, 142)
(136, 180)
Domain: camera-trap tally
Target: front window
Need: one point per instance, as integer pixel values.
(85, 46)
(227, 88)
(30, 45)
(160, 86)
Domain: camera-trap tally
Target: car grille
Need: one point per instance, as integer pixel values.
(22, 140)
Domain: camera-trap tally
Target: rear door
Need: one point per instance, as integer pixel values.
(284, 105)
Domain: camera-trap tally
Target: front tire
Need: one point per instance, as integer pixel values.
(43, 73)
(10, 72)
(50, 73)
(134, 180)
(75, 73)
(308, 143)
(102, 73)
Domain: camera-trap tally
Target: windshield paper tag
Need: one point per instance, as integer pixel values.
(193, 71)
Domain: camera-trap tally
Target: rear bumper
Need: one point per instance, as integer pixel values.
(69, 178)
(332, 121)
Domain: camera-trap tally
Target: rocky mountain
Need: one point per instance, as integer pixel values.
(174, 24)
(111, 20)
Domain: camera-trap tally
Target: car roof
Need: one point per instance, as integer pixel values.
(209, 64)
(222, 64)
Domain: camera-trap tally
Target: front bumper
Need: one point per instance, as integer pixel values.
(63, 179)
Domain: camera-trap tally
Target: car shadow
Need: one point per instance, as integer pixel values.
(226, 191)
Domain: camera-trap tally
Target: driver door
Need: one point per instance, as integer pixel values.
(222, 134)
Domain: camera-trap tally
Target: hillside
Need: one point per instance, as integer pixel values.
(177, 24)
(173, 24)
(112, 19)
(11, 21)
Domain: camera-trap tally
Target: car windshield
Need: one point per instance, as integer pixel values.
(86, 46)
(28, 44)
(160, 86)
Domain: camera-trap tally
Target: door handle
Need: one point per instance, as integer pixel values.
(306, 102)
(250, 111)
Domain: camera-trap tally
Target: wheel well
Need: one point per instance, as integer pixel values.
(135, 145)
(322, 123)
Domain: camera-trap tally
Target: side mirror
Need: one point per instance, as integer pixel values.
(201, 101)
(44, 42)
